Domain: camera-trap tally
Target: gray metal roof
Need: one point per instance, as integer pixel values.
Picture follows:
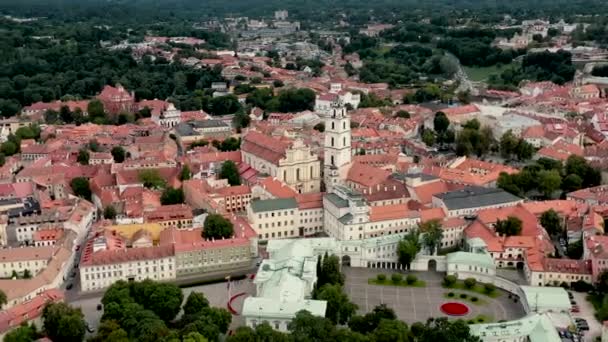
(258, 205)
(188, 128)
(337, 200)
(346, 219)
(475, 197)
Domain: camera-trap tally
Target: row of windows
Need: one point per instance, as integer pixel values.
(286, 233)
(285, 213)
(138, 264)
(278, 224)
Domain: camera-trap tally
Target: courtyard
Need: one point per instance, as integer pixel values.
(416, 304)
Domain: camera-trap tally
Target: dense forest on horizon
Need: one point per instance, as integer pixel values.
(319, 10)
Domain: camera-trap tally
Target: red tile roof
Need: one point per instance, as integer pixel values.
(367, 176)
(277, 188)
(29, 310)
(264, 147)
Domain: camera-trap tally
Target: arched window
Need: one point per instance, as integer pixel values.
(285, 175)
(333, 125)
(311, 173)
(344, 141)
(332, 142)
(332, 161)
(298, 174)
(344, 125)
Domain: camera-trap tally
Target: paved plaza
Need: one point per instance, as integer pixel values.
(416, 304)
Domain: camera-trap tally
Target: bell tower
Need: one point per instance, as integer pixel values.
(337, 147)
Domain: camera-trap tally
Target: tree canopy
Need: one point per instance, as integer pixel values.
(217, 227)
(147, 311)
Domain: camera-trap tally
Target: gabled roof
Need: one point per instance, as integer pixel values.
(264, 147)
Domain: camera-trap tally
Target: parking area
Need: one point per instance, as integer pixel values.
(415, 304)
(587, 313)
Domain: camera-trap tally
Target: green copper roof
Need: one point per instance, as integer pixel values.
(273, 204)
(541, 298)
(337, 200)
(475, 259)
(538, 328)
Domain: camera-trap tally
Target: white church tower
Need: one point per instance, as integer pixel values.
(337, 148)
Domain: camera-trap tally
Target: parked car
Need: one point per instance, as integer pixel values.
(575, 309)
(573, 302)
(69, 287)
(99, 307)
(89, 329)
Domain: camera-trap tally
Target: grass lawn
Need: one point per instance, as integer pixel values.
(403, 283)
(468, 298)
(477, 74)
(479, 288)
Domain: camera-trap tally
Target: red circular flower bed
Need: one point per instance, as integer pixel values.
(454, 309)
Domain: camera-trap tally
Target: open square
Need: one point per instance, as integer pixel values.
(417, 304)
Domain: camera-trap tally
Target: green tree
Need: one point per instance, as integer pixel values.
(217, 227)
(508, 144)
(368, 323)
(172, 196)
(549, 181)
(230, 172)
(63, 323)
(572, 182)
(3, 299)
(524, 150)
(442, 329)
(339, 307)
(329, 272)
(223, 105)
(470, 283)
(433, 233)
(25, 333)
(509, 227)
(441, 123)
(449, 280)
(81, 188)
(185, 174)
(575, 249)
(27, 274)
(402, 114)
(391, 331)
(162, 299)
(195, 303)
(109, 212)
(8, 148)
(472, 124)
(551, 221)
(230, 144)
(428, 137)
(408, 248)
(151, 179)
(96, 110)
(307, 327)
(83, 157)
(118, 153)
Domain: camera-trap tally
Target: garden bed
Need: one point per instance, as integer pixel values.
(478, 288)
(403, 283)
(463, 296)
(454, 309)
